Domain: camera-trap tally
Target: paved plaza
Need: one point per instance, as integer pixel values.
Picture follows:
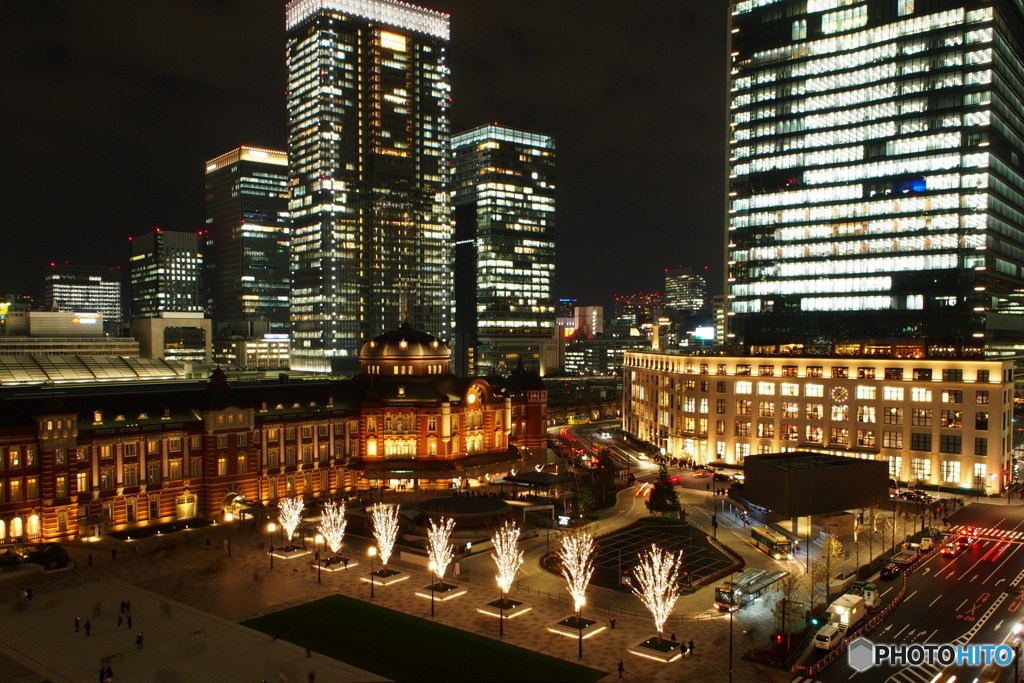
(188, 596)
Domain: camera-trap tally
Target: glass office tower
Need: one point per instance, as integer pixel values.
(165, 271)
(368, 146)
(246, 240)
(504, 197)
(876, 194)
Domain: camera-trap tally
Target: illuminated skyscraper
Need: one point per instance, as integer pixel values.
(246, 240)
(876, 192)
(165, 270)
(504, 196)
(368, 100)
(685, 291)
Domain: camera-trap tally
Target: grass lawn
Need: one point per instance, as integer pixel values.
(406, 648)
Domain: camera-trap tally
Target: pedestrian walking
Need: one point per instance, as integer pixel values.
(129, 622)
(138, 641)
(691, 647)
(121, 607)
(78, 622)
(113, 553)
(127, 605)
(621, 668)
(611, 618)
(103, 675)
(88, 627)
(90, 559)
(28, 593)
(120, 620)
(110, 674)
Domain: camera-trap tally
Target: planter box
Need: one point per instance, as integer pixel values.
(667, 651)
(513, 608)
(569, 627)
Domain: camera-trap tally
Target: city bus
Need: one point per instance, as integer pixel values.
(729, 597)
(579, 419)
(772, 542)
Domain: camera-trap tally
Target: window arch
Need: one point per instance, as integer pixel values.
(16, 528)
(32, 528)
(371, 446)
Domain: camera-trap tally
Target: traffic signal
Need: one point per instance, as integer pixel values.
(815, 621)
(778, 638)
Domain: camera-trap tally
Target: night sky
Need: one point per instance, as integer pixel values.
(111, 109)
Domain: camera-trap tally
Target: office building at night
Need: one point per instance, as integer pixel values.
(874, 286)
(368, 146)
(504, 198)
(876, 185)
(165, 269)
(640, 307)
(685, 291)
(246, 241)
(94, 289)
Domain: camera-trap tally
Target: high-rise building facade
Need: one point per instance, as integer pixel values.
(685, 291)
(876, 185)
(504, 197)
(165, 271)
(77, 288)
(246, 240)
(641, 307)
(368, 149)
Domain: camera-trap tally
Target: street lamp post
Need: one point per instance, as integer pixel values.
(228, 517)
(372, 552)
(501, 615)
(271, 527)
(318, 540)
(730, 635)
(579, 624)
(433, 580)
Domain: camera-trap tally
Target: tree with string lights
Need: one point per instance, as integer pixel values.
(289, 515)
(508, 558)
(384, 519)
(656, 583)
(332, 525)
(576, 555)
(439, 547)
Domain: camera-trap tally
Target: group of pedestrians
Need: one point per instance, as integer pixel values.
(124, 617)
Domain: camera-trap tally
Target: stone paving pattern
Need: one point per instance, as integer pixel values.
(187, 596)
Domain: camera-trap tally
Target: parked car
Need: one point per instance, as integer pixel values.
(722, 477)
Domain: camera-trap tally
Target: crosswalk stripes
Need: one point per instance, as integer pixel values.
(991, 532)
(916, 674)
(804, 679)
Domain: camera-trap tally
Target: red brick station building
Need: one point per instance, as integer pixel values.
(98, 459)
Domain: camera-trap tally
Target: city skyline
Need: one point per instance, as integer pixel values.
(633, 123)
